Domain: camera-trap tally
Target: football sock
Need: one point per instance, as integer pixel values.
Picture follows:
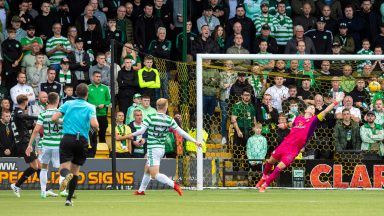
(64, 172)
(144, 182)
(273, 176)
(165, 180)
(28, 172)
(43, 179)
(72, 187)
(267, 169)
(61, 179)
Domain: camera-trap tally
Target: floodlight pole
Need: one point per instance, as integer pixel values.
(113, 111)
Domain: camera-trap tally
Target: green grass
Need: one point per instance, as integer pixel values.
(199, 203)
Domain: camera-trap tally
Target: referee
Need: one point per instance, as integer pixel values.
(79, 115)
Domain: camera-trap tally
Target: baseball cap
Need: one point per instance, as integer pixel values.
(30, 27)
(264, 2)
(371, 113)
(79, 39)
(15, 19)
(321, 19)
(137, 95)
(265, 27)
(64, 61)
(343, 25)
(92, 21)
(335, 44)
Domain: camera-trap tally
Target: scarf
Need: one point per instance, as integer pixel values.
(65, 78)
(121, 129)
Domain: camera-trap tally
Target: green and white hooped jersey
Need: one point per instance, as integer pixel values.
(52, 131)
(157, 127)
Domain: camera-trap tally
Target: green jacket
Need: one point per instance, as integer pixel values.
(340, 135)
(211, 82)
(372, 136)
(149, 78)
(99, 95)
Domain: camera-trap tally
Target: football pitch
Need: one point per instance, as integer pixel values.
(198, 203)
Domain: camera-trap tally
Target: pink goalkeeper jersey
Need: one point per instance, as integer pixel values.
(302, 130)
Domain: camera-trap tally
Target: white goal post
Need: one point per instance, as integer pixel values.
(199, 85)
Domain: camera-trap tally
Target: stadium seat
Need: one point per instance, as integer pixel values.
(102, 151)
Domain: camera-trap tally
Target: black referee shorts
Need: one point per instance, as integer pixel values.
(27, 159)
(73, 149)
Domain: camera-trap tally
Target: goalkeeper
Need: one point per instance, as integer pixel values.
(302, 130)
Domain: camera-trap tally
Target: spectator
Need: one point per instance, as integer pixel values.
(354, 24)
(266, 64)
(145, 107)
(123, 144)
(284, 26)
(211, 85)
(348, 104)
(308, 71)
(145, 28)
(79, 61)
(21, 88)
(293, 111)
(160, 48)
(103, 68)
(282, 128)
(278, 92)
(71, 36)
(25, 18)
(3, 17)
(100, 97)
(359, 95)
(82, 22)
(331, 17)
(292, 91)
(207, 20)
(378, 65)
(379, 40)
(4, 92)
(371, 21)
(293, 71)
(44, 21)
(129, 52)
(51, 85)
(37, 74)
(334, 92)
(378, 109)
(149, 79)
(164, 13)
(256, 148)
(100, 15)
(7, 141)
(345, 40)
(64, 17)
(57, 47)
(136, 102)
(321, 38)
(138, 142)
(291, 47)
(364, 51)
(220, 38)
(265, 18)
(113, 33)
(306, 93)
(346, 133)
(92, 40)
(245, 24)
(331, 7)
(237, 88)
(372, 135)
(32, 11)
(243, 119)
(137, 10)
(39, 106)
(66, 77)
(124, 25)
(29, 60)
(227, 78)
(266, 114)
(12, 54)
(191, 36)
(325, 68)
(238, 48)
(127, 80)
(298, 7)
(220, 10)
(204, 43)
(5, 105)
(16, 24)
(320, 107)
(348, 82)
(306, 19)
(27, 42)
(68, 91)
(238, 29)
(266, 36)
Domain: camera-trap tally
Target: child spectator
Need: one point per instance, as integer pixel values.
(68, 90)
(364, 51)
(256, 147)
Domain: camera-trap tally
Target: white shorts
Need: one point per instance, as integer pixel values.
(50, 155)
(154, 156)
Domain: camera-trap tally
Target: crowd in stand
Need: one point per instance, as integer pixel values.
(52, 46)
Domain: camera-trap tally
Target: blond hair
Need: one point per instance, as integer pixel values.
(161, 103)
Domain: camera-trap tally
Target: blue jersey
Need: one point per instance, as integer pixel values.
(77, 117)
